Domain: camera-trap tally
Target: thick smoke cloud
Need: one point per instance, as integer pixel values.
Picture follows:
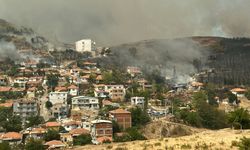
(111, 22)
(8, 50)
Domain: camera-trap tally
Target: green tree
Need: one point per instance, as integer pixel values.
(34, 144)
(139, 117)
(5, 146)
(34, 121)
(13, 124)
(135, 134)
(239, 118)
(52, 135)
(248, 94)
(82, 139)
(244, 143)
(52, 80)
(232, 98)
(116, 127)
(48, 104)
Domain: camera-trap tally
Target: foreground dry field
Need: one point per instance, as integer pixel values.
(221, 139)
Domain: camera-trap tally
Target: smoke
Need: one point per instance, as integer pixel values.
(111, 22)
(8, 50)
(163, 55)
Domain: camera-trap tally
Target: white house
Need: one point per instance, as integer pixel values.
(73, 90)
(137, 101)
(84, 45)
(239, 92)
(70, 125)
(21, 82)
(85, 102)
(58, 97)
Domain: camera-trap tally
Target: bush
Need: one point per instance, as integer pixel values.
(244, 144)
(82, 139)
(52, 135)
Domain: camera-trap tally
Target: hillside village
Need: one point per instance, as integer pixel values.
(59, 106)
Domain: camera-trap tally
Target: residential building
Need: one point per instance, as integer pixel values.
(101, 128)
(20, 82)
(52, 125)
(122, 117)
(36, 133)
(25, 108)
(134, 71)
(99, 91)
(139, 101)
(116, 92)
(11, 137)
(3, 80)
(239, 92)
(85, 102)
(58, 97)
(73, 90)
(59, 110)
(70, 125)
(55, 144)
(84, 45)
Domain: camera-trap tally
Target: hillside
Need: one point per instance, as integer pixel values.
(223, 60)
(209, 139)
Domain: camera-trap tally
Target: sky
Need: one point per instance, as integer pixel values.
(112, 22)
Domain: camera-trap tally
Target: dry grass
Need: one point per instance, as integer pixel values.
(221, 139)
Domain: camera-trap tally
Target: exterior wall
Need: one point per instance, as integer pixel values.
(137, 101)
(84, 102)
(59, 110)
(116, 92)
(58, 97)
(25, 109)
(103, 129)
(124, 120)
(84, 45)
(73, 92)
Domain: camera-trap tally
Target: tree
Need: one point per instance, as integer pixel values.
(48, 104)
(34, 120)
(135, 134)
(52, 80)
(232, 98)
(244, 143)
(248, 94)
(5, 146)
(240, 118)
(210, 116)
(34, 144)
(82, 139)
(139, 117)
(116, 127)
(13, 124)
(52, 135)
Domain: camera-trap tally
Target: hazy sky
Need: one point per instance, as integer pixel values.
(111, 22)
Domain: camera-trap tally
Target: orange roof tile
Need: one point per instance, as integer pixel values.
(37, 130)
(104, 138)
(72, 123)
(12, 135)
(61, 89)
(119, 111)
(99, 77)
(55, 143)
(238, 90)
(6, 104)
(72, 87)
(5, 89)
(79, 131)
(106, 102)
(52, 124)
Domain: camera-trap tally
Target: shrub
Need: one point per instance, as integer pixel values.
(186, 146)
(244, 143)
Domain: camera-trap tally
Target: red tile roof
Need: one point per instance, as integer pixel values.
(52, 124)
(104, 138)
(5, 89)
(7, 104)
(79, 131)
(55, 143)
(61, 89)
(72, 87)
(12, 135)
